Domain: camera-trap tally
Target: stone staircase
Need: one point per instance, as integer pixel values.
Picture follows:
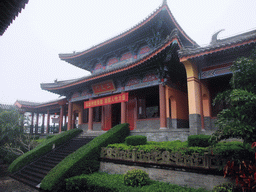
(34, 173)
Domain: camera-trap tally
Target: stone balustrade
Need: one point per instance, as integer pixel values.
(195, 160)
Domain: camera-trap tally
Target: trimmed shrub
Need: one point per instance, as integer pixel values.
(42, 149)
(136, 140)
(136, 177)
(77, 162)
(199, 140)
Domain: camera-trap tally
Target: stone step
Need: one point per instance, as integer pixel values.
(33, 174)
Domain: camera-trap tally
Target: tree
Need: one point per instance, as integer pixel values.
(239, 119)
(10, 125)
(13, 140)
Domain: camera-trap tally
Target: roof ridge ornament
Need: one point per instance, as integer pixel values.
(164, 2)
(215, 35)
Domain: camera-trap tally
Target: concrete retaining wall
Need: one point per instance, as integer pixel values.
(164, 135)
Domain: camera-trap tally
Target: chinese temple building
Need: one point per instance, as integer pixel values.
(154, 77)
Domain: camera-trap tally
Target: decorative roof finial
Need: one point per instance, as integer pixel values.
(164, 2)
(214, 36)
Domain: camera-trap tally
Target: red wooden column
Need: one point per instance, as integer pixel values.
(123, 112)
(32, 123)
(70, 114)
(90, 120)
(42, 127)
(162, 104)
(48, 121)
(61, 117)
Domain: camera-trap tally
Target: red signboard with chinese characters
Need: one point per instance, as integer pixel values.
(123, 97)
(103, 87)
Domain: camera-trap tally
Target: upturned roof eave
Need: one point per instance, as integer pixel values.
(35, 106)
(224, 44)
(207, 52)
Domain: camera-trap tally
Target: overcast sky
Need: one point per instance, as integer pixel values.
(30, 46)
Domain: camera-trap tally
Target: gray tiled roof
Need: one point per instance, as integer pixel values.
(35, 104)
(174, 34)
(220, 43)
(7, 107)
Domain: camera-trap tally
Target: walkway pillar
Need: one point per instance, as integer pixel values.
(61, 118)
(42, 127)
(194, 99)
(36, 126)
(65, 119)
(90, 120)
(70, 114)
(32, 123)
(162, 105)
(48, 121)
(22, 121)
(123, 112)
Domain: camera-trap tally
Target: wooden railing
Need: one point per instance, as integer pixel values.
(195, 160)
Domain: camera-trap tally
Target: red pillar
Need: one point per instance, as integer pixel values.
(61, 117)
(90, 120)
(123, 110)
(162, 105)
(70, 111)
(48, 121)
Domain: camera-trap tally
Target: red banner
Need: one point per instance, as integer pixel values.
(123, 97)
(103, 87)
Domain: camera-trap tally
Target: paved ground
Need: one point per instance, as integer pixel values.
(7, 184)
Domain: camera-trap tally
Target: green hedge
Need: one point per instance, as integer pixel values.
(171, 146)
(228, 150)
(42, 149)
(77, 162)
(136, 140)
(199, 140)
(106, 182)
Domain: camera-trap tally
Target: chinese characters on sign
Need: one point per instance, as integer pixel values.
(103, 87)
(123, 97)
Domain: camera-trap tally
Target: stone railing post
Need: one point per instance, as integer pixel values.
(134, 154)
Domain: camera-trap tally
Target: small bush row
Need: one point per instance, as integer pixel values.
(42, 149)
(171, 146)
(83, 160)
(114, 182)
(136, 140)
(229, 150)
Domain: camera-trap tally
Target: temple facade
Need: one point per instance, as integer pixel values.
(154, 77)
